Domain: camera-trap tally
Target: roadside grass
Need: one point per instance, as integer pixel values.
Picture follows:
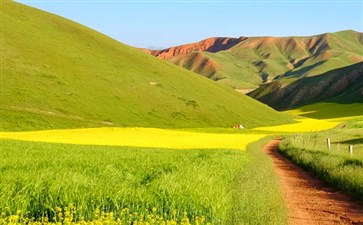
(222, 186)
(336, 166)
(258, 197)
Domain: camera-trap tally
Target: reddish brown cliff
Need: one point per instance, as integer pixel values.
(214, 44)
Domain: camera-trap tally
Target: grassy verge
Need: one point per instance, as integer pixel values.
(336, 166)
(258, 198)
(101, 183)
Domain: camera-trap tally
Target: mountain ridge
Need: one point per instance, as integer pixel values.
(256, 60)
(212, 44)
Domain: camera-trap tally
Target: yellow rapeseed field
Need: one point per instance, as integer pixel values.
(67, 216)
(138, 137)
(302, 125)
(164, 138)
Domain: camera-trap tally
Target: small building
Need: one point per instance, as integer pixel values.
(238, 126)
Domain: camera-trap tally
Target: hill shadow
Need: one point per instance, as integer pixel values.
(356, 141)
(338, 92)
(331, 110)
(300, 72)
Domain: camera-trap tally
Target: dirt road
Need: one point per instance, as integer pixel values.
(309, 201)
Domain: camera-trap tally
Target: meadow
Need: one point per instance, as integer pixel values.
(337, 166)
(40, 179)
(144, 175)
(94, 131)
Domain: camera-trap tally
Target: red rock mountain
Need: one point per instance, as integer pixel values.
(281, 68)
(213, 44)
(245, 63)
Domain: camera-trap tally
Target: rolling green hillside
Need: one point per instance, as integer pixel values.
(59, 74)
(344, 85)
(256, 60)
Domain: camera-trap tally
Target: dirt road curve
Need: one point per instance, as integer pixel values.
(310, 201)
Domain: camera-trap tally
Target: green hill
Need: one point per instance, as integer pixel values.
(256, 60)
(59, 74)
(343, 85)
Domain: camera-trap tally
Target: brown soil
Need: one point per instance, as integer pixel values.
(310, 201)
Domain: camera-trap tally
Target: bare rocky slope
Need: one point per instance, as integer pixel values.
(214, 44)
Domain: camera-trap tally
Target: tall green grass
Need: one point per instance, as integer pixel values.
(225, 186)
(258, 198)
(336, 166)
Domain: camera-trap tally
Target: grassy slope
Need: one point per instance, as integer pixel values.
(260, 59)
(56, 73)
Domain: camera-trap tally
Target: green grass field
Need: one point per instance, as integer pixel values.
(336, 166)
(221, 185)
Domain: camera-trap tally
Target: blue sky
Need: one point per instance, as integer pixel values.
(164, 23)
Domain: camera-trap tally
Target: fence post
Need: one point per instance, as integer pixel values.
(351, 150)
(338, 146)
(328, 143)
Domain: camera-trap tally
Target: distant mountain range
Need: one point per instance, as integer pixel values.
(247, 63)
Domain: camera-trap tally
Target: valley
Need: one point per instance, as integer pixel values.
(94, 131)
